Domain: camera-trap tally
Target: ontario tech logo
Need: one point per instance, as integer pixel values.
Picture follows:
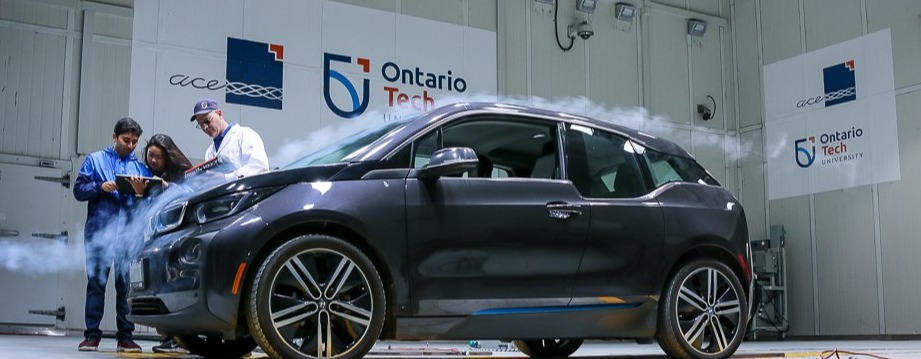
(254, 75)
(834, 147)
(840, 86)
(805, 156)
(358, 106)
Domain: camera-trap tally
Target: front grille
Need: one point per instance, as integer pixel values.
(148, 306)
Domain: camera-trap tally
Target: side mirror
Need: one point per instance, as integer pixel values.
(450, 161)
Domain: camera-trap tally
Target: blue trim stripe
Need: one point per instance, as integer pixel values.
(576, 308)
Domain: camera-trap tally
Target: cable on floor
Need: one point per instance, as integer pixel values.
(853, 355)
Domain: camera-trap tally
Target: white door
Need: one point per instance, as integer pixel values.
(33, 247)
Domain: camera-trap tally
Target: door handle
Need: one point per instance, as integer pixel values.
(61, 237)
(9, 233)
(563, 210)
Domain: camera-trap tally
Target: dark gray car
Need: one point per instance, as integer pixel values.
(471, 221)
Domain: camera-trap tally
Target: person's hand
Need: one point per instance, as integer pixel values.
(138, 184)
(109, 186)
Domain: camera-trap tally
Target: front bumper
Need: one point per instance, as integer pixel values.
(183, 282)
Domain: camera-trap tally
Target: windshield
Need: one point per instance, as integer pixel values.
(348, 147)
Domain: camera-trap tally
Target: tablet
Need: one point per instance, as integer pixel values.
(124, 187)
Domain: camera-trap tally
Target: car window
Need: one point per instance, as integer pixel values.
(505, 147)
(602, 164)
(667, 168)
(349, 147)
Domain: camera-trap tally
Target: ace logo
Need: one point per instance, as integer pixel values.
(254, 75)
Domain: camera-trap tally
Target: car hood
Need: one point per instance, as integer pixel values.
(272, 179)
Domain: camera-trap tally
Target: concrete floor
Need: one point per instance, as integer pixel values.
(61, 347)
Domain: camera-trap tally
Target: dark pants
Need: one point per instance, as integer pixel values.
(101, 254)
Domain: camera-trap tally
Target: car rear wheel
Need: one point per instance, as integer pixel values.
(702, 312)
(316, 296)
(216, 347)
(547, 348)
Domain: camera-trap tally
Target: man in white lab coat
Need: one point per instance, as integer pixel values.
(239, 149)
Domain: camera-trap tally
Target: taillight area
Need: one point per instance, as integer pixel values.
(745, 266)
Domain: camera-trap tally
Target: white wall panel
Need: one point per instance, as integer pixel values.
(513, 48)
(747, 55)
(850, 296)
(301, 18)
(386, 5)
(34, 13)
(106, 97)
(116, 26)
(707, 78)
(752, 193)
(481, 14)
(901, 17)
(554, 73)
(612, 61)
(829, 22)
(667, 93)
(171, 13)
(846, 262)
(449, 11)
(899, 225)
(793, 214)
(707, 6)
(31, 92)
(780, 30)
(674, 3)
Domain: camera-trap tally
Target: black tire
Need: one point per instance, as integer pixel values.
(548, 348)
(702, 312)
(216, 347)
(316, 296)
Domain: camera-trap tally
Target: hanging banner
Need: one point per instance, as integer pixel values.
(289, 67)
(831, 118)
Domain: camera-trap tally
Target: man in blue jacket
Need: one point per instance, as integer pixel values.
(108, 236)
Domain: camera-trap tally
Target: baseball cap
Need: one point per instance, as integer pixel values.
(203, 106)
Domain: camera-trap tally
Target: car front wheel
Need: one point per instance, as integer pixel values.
(316, 296)
(702, 312)
(549, 348)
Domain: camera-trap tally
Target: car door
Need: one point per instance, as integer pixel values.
(624, 245)
(505, 241)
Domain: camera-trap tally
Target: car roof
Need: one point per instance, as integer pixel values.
(415, 127)
(640, 137)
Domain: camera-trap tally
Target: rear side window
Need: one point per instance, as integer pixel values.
(602, 164)
(667, 168)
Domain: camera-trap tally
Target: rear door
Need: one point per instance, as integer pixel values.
(500, 239)
(624, 247)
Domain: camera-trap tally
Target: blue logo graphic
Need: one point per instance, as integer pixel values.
(805, 156)
(254, 73)
(358, 106)
(840, 85)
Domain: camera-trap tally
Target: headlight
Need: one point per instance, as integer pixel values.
(168, 218)
(229, 205)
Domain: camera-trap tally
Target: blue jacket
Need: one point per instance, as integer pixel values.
(99, 167)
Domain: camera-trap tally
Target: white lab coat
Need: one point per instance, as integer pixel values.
(242, 151)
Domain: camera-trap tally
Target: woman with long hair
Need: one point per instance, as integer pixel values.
(165, 161)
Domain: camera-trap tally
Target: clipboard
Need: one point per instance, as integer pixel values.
(204, 166)
(124, 186)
